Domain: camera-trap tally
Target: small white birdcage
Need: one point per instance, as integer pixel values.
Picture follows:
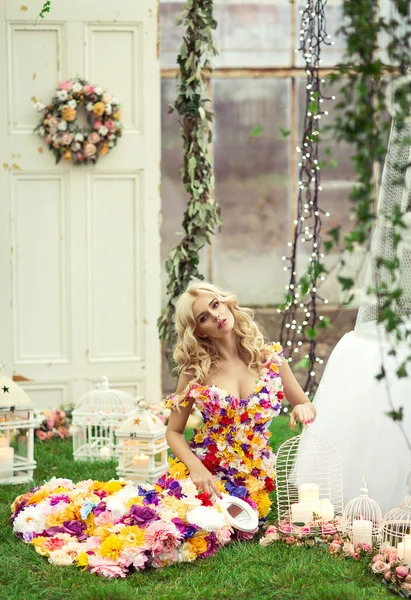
(97, 415)
(309, 481)
(142, 446)
(17, 425)
(396, 528)
(362, 518)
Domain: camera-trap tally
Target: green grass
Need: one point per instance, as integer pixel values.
(238, 571)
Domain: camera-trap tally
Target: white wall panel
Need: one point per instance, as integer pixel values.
(47, 396)
(106, 47)
(114, 226)
(34, 65)
(39, 285)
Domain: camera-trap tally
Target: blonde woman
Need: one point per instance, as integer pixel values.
(237, 381)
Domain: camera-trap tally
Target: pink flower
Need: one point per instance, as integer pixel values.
(366, 547)
(356, 556)
(132, 556)
(161, 537)
(380, 566)
(377, 557)
(290, 540)
(94, 137)
(105, 566)
(65, 140)
(402, 572)
(47, 139)
(50, 434)
(53, 122)
(328, 528)
(97, 124)
(50, 422)
(242, 536)
(106, 97)
(348, 549)
(287, 528)
(42, 435)
(271, 529)
(62, 413)
(104, 519)
(223, 536)
(66, 85)
(388, 575)
(334, 548)
(88, 90)
(80, 157)
(89, 150)
(305, 530)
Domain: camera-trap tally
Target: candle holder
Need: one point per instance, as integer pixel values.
(362, 518)
(96, 416)
(17, 421)
(309, 481)
(142, 446)
(396, 528)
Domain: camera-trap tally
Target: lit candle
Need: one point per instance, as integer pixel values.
(140, 461)
(6, 462)
(361, 531)
(308, 491)
(404, 550)
(105, 452)
(4, 442)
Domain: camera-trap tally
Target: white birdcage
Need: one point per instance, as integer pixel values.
(17, 425)
(96, 416)
(141, 446)
(309, 481)
(396, 528)
(362, 518)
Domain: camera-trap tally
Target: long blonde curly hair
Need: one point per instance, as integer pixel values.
(197, 356)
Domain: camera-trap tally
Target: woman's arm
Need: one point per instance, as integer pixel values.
(199, 474)
(303, 409)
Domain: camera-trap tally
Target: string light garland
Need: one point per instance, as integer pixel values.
(302, 293)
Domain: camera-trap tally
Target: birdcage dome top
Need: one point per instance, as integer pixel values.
(105, 400)
(142, 422)
(12, 394)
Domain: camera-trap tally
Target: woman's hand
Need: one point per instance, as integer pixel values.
(305, 413)
(203, 480)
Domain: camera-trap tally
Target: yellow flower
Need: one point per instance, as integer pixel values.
(38, 544)
(263, 502)
(117, 115)
(60, 490)
(68, 114)
(58, 518)
(103, 149)
(258, 388)
(111, 547)
(179, 471)
(99, 108)
(273, 367)
(98, 485)
(176, 505)
(199, 437)
(113, 486)
(38, 497)
(89, 521)
(198, 544)
(82, 559)
(137, 500)
(277, 347)
(253, 484)
(157, 488)
(67, 155)
(131, 536)
(102, 532)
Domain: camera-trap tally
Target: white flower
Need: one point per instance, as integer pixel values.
(41, 131)
(56, 482)
(89, 106)
(103, 130)
(206, 517)
(98, 91)
(109, 109)
(72, 103)
(111, 136)
(39, 106)
(30, 519)
(75, 146)
(62, 94)
(111, 145)
(62, 126)
(55, 137)
(114, 100)
(77, 87)
(79, 137)
(62, 557)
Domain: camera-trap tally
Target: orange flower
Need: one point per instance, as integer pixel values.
(99, 108)
(117, 115)
(67, 155)
(103, 149)
(68, 114)
(198, 544)
(38, 497)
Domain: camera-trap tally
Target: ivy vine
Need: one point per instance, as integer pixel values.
(202, 216)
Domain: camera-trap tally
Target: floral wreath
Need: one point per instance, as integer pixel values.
(65, 138)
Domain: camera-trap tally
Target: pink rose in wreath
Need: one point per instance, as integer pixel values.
(88, 90)
(111, 127)
(89, 150)
(66, 85)
(94, 137)
(66, 139)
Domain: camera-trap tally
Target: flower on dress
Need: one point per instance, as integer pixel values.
(162, 537)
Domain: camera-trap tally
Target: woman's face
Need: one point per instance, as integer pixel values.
(214, 320)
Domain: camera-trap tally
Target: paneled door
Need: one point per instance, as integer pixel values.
(80, 245)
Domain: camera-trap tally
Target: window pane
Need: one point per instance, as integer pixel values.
(252, 186)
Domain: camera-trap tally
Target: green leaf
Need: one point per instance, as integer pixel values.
(346, 283)
(402, 371)
(311, 333)
(285, 132)
(304, 363)
(324, 323)
(381, 374)
(257, 131)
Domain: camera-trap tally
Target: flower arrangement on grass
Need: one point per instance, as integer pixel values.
(63, 135)
(53, 423)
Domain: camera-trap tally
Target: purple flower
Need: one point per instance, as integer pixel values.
(255, 472)
(141, 516)
(59, 498)
(150, 496)
(174, 489)
(239, 491)
(75, 528)
(212, 545)
(101, 507)
(245, 447)
(28, 536)
(188, 531)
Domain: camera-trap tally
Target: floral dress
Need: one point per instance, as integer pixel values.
(114, 528)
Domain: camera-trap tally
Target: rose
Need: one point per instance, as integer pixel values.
(379, 566)
(110, 125)
(109, 109)
(68, 113)
(42, 435)
(388, 575)
(287, 528)
(106, 97)
(80, 157)
(53, 122)
(88, 90)
(348, 549)
(406, 586)
(94, 137)
(290, 540)
(378, 557)
(65, 140)
(305, 531)
(103, 149)
(66, 85)
(334, 548)
(402, 571)
(47, 139)
(89, 150)
(97, 125)
(76, 146)
(99, 108)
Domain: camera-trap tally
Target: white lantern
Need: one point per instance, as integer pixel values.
(17, 425)
(396, 528)
(309, 481)
(362, 518)
(142, 446)
(96, 417)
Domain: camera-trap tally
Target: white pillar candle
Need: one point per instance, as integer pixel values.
(6, 462)
(404, 550)
(4, 442)
(308, 491)
(105, 452)
(327, 509)
(140, 461)
(361, 531)
(302, 512)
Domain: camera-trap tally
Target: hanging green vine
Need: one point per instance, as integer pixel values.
(202, 216)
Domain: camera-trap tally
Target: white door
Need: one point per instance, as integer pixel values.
(80, 246)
